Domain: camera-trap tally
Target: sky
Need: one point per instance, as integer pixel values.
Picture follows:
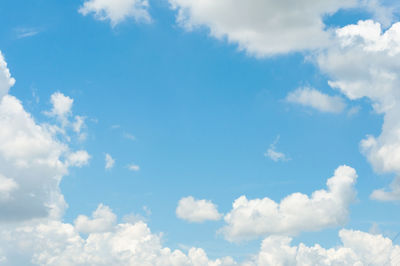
(199, 132)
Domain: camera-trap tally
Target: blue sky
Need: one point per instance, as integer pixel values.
(194, 102)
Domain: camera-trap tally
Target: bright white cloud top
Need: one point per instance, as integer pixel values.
(295, 213)
(6, 81)
(116, 11)
(365, 62)
(358, 248)
(315, 99)
(197, 211)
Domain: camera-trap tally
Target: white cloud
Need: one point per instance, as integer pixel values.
(117, 10)
(32, 161)
(6, 186)
(315, 99)
(388, 195)
(275, 155)
(383, 14)
(31, 169)
(133, 167)
(26, 32)
(109, 161)
(197, 211)
(358, 248)
(295, 213)
(57, 243)
(365, 63)
(6, 81)
(78, 158)
(62, 105)
(262, 27)
(78, 124)
(103, 220)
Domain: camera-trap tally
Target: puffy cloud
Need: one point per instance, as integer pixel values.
(315, 99)
(6, 81)
(57, 243)
(62, 105)
(109, 161)
(275, 155)
(197, 211)
(103, 220)
(117, 10)
(295, 213)
(31, 157)
(32, 161)
(78, 158)
(262, 27)
(365, 63)
(358, 248)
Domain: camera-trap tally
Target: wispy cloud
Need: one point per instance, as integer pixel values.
(275, 155)
(26, 32)
(315, 99)
(129, 136)
(109, 161)
(133, 167)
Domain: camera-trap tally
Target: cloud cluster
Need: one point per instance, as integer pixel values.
(295, 213)
(32, 160)
(107, 243)
(358, 248)
(32, 163)
(116, 11)
(197, 211)
(365, 63)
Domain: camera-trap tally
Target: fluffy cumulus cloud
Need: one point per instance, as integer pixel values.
(117, 11)
(315, 99)
(107, 243)
(365, 63)
(62, 105)
(197, 211)
(32, 160)
(262, 27)
(295, 213)
(358, 248)
(6, 81)
(103, 219)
